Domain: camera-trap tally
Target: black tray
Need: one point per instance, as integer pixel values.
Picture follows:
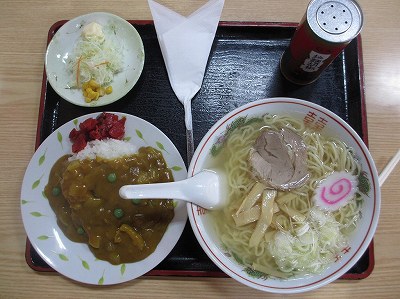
(243, 67)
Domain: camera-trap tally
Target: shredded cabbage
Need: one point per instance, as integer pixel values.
(312, 251)
(95, 59)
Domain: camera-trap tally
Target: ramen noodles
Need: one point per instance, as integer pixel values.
(277, 227)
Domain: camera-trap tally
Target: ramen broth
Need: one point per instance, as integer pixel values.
(85, 197)
(302, 238)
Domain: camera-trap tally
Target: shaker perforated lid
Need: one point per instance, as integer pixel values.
(335, 21)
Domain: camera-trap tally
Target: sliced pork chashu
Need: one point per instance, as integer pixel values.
(278, 159)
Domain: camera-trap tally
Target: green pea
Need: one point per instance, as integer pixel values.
(112, 177)
(136, 201)
(80, 230)
(118, 213)
(56, 191)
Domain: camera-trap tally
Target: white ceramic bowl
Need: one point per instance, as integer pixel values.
(61, 48)
(75, 260)
(331, 125)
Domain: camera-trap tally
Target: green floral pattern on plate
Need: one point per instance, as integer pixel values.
(85, 264)
(60, 138)
(37, 214)
(42, 158)
(161, 147)
(140, 135)
(237, 123)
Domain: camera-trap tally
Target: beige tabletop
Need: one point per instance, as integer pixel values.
(24, 25)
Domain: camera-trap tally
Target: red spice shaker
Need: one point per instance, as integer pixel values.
(325, 30)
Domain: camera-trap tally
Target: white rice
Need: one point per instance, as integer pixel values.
(106, 149)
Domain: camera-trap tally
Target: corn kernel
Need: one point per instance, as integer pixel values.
(109, 89)
(93, 84)
(91, 90)
(85, 85)
(90, 93)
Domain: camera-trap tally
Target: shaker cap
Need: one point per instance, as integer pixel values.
(336, 21)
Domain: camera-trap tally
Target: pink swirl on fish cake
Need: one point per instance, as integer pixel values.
(336, 190)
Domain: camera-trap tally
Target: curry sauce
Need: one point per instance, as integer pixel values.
(84, 195)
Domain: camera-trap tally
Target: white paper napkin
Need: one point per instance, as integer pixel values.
(185, 44)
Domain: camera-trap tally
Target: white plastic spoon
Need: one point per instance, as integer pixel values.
(205, 189)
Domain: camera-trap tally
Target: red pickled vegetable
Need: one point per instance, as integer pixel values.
(106, 125)
(95, 134)
(79, 143)
(88, 124)
(73, 134)
(117, 131)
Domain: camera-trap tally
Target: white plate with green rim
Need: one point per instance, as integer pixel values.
(61, 49)
(75, 260)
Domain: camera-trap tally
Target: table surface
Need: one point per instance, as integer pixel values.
(24, 26)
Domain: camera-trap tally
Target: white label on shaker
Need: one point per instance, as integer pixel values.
(314, 62)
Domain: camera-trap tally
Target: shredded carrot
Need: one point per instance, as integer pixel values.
(78, 70)
(105, 62)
